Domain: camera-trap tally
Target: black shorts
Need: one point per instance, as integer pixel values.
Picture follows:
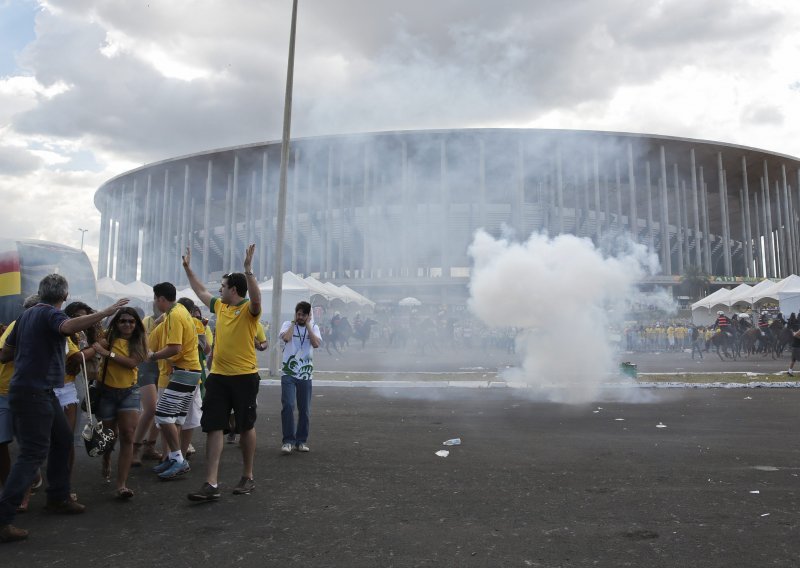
(795, 353)
(230, 392)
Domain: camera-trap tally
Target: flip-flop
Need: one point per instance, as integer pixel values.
(124, 494)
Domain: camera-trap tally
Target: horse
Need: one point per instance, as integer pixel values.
(753, 341)
(341, 331)
(722, 341)
(362, 330)
(784, 338)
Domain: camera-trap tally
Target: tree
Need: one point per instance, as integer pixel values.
(695, 281)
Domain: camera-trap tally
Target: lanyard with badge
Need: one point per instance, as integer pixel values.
(302, 338)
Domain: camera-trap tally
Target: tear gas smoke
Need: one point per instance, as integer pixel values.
(562, 294)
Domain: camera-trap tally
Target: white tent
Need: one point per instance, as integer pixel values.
(739, 294)
(140, 290)
(293, 290)
(339, 293)
(752, 295)
(189, 293)
(110, 288)
(704, 312)
(359, 298)
(319, 288)
(786, 292)
(714, 299)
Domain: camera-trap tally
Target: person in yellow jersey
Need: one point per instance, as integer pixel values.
(234, 380)
(6, 424)
(155, 339)
(118, 403)
(179, 346)
(149, 372)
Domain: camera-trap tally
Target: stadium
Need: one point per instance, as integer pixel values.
(392, 214)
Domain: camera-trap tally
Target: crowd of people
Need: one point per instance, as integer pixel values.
(161, 376)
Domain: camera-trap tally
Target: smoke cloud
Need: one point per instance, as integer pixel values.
(562, 294)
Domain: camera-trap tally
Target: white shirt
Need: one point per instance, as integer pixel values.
(297, 353)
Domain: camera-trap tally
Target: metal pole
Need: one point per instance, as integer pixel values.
(83, 232)
(277, 278)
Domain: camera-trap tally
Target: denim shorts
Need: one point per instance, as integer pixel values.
(148, 373)
(113, 401)
(6, 425)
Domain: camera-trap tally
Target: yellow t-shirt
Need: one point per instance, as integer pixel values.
(155, 341)
(119, 376)
(261, 335)
(6, 369)
(149, 324)
(235, 352)
(209, 336)
(179, 330)
(71, 350)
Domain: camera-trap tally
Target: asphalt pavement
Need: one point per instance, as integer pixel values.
(690, 478)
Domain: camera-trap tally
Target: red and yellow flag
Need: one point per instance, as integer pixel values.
(10, 278)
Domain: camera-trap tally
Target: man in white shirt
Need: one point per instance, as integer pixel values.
(299, 337)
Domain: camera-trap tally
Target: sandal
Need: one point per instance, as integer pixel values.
(124, 494)
(150, 452)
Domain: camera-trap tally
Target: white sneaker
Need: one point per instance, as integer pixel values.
(790, 373)
(286, 449)
(302, 448)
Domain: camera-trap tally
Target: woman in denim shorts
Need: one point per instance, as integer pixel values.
(118, 407)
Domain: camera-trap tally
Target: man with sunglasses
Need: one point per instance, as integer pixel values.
(37, 345)
(234, 380)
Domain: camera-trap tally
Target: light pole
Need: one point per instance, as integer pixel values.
(83, 232)
(277, 273)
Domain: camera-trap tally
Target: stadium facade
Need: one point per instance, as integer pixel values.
(393, 213)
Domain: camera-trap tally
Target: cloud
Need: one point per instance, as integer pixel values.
(106, 86)
(16, 161)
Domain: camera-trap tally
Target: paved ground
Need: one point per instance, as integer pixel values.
(533, 484)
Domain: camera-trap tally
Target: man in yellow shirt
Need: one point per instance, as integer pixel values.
(234, 380)
(179, 347)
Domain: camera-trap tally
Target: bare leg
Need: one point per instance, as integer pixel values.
(247, 441)
(213, 453)
(127, 421)
(186, 439)
(169, 432)
(149, 395)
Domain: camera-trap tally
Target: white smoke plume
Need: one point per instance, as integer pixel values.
(563, 294)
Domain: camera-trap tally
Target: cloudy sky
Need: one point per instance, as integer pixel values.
(91, 88)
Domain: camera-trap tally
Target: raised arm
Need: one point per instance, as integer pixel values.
(252, 284)
(194, 281)
(74, 325)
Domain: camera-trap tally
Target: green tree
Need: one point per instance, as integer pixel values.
(694, 281)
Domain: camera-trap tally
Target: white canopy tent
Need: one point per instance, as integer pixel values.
(110, 288)
(714, 299)
(293, 290)
(739, 294)
(704, 311)
(319, 288)
(786, 292)
(140, 290)
(189, 293)
(358, 298)
(752, 295)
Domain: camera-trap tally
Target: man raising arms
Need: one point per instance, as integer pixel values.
(234, 380)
